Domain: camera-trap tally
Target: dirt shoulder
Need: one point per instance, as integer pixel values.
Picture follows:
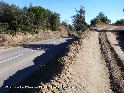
(117, 43)
(113, 63)
(84, 69)
(7, 40)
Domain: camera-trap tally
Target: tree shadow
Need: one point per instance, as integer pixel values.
(51, 51)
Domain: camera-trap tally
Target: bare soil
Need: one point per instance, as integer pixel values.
(117, 42)
(84, 69)
(7, 40)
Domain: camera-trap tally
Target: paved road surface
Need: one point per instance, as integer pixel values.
(19, 62)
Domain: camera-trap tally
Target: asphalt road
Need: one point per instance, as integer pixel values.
(19, 62)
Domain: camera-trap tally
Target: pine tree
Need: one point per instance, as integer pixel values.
(79, 20)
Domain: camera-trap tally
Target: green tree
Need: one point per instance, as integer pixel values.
(25, 8)
(41, 17)
(101, 18)
(64, 23)
(67, 26)
(120, 22)
(54, 21)
(79, 20)
(9, 14)
(14, 19)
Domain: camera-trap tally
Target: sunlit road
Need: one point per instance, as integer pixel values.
(19, 62)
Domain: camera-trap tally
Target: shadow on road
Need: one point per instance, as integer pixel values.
(51, 51)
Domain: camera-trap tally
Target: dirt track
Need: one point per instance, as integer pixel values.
(113, 63)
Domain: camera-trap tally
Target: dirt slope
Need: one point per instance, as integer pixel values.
(84, 69)
(7, 40)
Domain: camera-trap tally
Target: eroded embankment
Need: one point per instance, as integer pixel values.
(113, 63)
(7, 40)
(84, 70)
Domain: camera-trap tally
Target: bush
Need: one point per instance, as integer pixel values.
(100, 19)
(27, 19)
(79, 20)
(120, 22)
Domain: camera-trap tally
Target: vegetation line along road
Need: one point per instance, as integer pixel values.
(113, 63)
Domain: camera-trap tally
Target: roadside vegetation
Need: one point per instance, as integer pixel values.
(32, 19)
(29, 19)
(100, 20)
(79, 22)
(120, 22)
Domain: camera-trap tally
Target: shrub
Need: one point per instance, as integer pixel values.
(100, 19)
(79, 20)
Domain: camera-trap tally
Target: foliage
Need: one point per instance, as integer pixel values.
(79, 20)
(54, 21)
(13, 19)
(101, 18)
(67, 26)
(120, 22)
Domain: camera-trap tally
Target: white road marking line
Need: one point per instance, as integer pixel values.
(3, 61)
(10, 58)
(19, 55)
(13, 57)
(16, 56)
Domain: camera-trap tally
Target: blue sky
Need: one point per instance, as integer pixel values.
(66, 8)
